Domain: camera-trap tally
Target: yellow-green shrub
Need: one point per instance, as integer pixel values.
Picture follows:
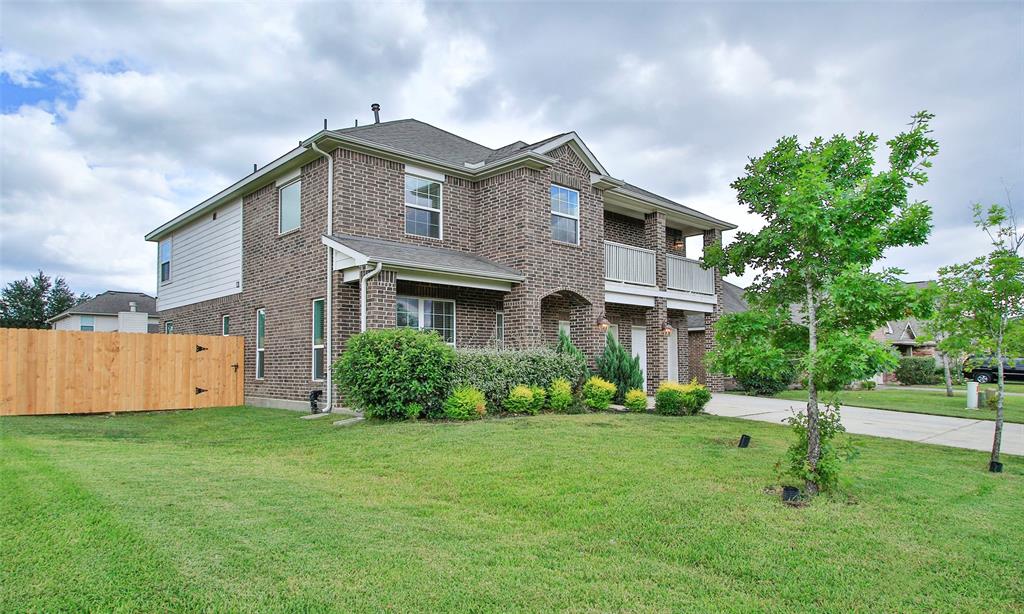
(560, 395)
(636, 400)
(465, 403)
(598, 393)
(520, 400)
(677, 399)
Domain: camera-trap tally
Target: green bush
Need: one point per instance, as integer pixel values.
(916, 370)
(560, 397)
(675, 399)
(393, 373)
(520, 400)
(765, 384)
(496, 372)
(636, 400)
(868, 384)
(539, 398)
(617, 366)
(465, 403)
(826, 475)
(598, 393)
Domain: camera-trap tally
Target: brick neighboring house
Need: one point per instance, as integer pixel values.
(409, 225)
(111, 311)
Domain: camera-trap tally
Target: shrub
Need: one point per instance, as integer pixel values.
(598, 393)
(496, 372)
(465, 403)
(565, 346)
(636, 400)
(560, 395)
(618, 367)
(390, 373)
(675, 399)
(915, 370)
(868, 384)
(765, 384)
(539, 398)
(826, 475)
(520, 400)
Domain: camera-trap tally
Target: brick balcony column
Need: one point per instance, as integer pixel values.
(654, 240)
(657, 343)
(683, 355)
(380, 300)
(715, 381)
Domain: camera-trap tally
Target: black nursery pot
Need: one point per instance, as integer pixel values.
(744, 441)
(995, 467)
(790, 493)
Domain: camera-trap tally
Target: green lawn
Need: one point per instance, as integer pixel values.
(246, 509)
(1010, 386)
(920, 402)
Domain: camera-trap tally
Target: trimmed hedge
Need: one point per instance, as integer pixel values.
(674, 399)
(395, 373)
(916, 370)
(496, 372)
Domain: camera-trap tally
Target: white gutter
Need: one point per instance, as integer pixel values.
(362, 294)
(329, 303)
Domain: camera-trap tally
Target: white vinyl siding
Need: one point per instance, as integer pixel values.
(206, 261)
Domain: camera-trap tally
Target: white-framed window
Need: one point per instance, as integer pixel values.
(319, 351)
(564, 327)
(499, 329)
(225, 325)
(86, 323)
(165, 260)
(289, 206)
(427, 314)
(565, 215)
(423, 207)
(168, 327)
(261, 338)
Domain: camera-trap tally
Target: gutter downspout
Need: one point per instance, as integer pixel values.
(329, 303)
(362, 294)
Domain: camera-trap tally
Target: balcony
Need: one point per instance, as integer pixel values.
(631, 277)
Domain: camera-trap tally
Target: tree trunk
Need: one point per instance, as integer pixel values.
(945, 372)
(813, 437)
(997, 438)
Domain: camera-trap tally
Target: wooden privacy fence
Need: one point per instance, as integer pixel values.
(71, 372)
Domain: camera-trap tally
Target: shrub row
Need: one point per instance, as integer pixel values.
(916, 370)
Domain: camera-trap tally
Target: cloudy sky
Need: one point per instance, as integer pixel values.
(117, 116)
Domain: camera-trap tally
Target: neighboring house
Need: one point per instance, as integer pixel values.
(732, 302)
(111, 311)
(409, 225)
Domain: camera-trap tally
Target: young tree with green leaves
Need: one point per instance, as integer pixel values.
(30, 302)
(980, 300)
(829, 217)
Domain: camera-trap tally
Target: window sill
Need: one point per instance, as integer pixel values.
(566, 244)
(288, 232)
(415, 236)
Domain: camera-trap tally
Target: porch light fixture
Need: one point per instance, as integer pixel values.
(678, 244)
(603, 323)
(666, 329)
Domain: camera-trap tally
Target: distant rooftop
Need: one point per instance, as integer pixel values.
(111, 302)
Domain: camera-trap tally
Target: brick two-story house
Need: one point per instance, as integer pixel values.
(403, 224)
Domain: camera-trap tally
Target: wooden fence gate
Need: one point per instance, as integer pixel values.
(71, 372)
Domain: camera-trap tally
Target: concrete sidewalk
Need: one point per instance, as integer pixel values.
(924, 428)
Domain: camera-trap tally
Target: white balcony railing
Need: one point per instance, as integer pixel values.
(687, 275)
(632, 265)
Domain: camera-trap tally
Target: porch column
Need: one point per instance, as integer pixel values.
(585, 333)
(522, 319)
(715, 382)
(380, 300)
(654, 240)
(683, 340)
(657, 342)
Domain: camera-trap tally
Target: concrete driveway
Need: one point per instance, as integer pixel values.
(923, 428)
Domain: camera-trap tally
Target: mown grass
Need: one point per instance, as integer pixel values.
(244, 509)
(920, 402)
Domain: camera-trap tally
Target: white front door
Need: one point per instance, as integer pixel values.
(638, 338)
(673, 356)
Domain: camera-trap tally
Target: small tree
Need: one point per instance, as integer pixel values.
(618, 367)
(30, 302)
(979, 300)
(829, 218)
(565, 346)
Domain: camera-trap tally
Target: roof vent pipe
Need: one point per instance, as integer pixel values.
(325, 123)
(376, 112)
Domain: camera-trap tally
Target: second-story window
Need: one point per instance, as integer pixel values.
(565, 215)
(289, 209)
(165, 261)
(422, 207)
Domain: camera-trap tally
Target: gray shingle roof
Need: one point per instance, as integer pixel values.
(111, 302)
(416, 137)
(732, 302)
(442, 259)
